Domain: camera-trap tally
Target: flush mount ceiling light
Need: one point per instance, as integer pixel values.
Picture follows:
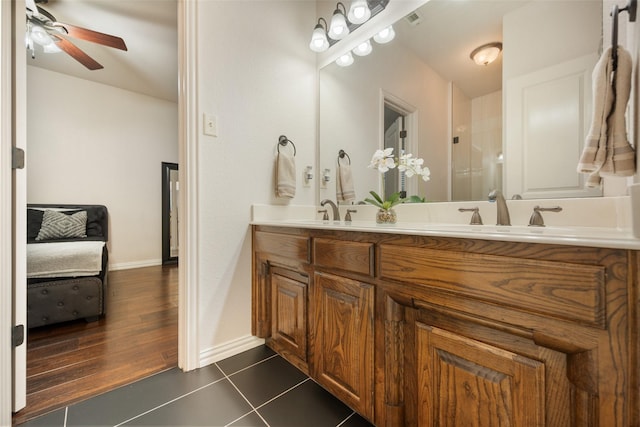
(487, 53)
(359, 12)
(338, 29)
(363, 49)
(385, 35)
(319, 41)
(345, 60)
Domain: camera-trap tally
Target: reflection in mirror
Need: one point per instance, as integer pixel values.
(170, 189)
(517, 124)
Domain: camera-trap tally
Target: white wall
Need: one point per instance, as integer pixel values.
(257, 74)
(94, 144)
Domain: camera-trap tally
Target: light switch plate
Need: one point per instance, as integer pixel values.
(210, 124)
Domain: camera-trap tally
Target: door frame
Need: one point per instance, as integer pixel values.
(188, 312)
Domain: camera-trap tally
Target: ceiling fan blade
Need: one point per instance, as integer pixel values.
(76, 53)
(93, 36)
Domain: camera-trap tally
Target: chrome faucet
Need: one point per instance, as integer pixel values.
(503, 210)
(336, 212)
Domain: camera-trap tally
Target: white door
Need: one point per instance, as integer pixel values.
(548, 114)
(12, 207)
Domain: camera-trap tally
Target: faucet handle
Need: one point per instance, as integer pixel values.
(475, 218)
(347, 217)
(325, 217)
(536, 217)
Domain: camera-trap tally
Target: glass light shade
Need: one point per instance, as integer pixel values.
(319, 42)
(359, 12)
(385, 35)
(363, 49)
(345, 60)
(338, 28)
(52, 48)
(486, 54)
(40, 36)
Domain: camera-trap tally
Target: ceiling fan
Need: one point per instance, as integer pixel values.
(53, 36)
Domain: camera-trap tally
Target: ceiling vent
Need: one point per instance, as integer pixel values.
(414, 18)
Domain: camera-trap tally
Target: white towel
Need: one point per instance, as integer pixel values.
(621, 160)
(285, 176)
(344, 184)
(606, 151)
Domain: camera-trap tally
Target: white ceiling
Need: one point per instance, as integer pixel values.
(449, 31)
(148, 27)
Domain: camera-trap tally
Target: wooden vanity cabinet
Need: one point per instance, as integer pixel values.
(342, 339)
(436, 331)
(280, 294)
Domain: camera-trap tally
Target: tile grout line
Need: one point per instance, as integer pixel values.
(254, 408)
(246, 367)
(346, 419)
(171, 401)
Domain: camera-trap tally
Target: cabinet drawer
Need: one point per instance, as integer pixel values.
(356, 257)
(284, 245)
(563, 290)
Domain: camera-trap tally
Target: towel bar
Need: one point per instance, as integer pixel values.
(631, 8)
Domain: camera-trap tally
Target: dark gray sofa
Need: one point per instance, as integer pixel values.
(59, 299)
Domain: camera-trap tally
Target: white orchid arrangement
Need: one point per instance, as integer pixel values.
(383, 160)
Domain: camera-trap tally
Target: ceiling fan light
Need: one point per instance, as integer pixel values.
(345, 60)
(51, 48)
(359, 12)
(319, 42)
(40, 36)
(385, 35)
(363, 49)
(338, 28)
(487, 53)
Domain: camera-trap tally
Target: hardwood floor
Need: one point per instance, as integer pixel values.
(138, 337)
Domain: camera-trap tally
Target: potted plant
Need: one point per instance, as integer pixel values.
(383, 160)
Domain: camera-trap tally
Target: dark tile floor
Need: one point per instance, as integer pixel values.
(254, 388)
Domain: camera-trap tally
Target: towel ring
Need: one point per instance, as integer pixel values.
(342, 154)
(283, 140)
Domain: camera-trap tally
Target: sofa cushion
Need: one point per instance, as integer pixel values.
(60, 225)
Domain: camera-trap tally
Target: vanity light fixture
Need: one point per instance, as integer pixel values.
(487, 53)
(359, 12)
(385, 35)
(338, 29)
(319, 42)
(363, 49)
(343, 23)
(345, 60)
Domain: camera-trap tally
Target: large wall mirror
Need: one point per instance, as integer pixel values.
(170, 189)
(517, 124)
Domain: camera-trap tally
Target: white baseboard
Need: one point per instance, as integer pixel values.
(134, 264)
(228, 349)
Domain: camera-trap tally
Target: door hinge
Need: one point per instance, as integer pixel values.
(17, 335)
(17, 158)
(403, 134)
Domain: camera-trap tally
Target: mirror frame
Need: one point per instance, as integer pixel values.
(166, 185)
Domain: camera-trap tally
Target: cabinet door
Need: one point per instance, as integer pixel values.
(343, 344)
(289, 316)
(463, 382)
